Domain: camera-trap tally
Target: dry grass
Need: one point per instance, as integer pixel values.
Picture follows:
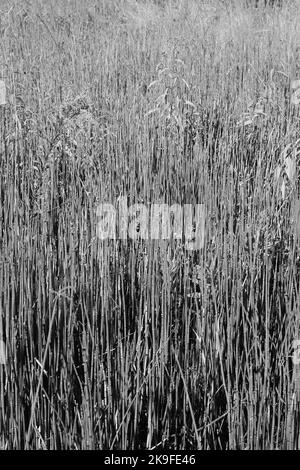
(114, 345)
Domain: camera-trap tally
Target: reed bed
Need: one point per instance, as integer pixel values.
(142, 344)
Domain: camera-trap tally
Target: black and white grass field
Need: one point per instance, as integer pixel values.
(141, 343)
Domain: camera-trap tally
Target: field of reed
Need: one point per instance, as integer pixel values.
(143, 344)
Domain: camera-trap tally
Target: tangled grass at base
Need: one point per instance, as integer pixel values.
(144, 345)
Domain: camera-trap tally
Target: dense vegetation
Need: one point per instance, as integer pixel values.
(143, 344)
